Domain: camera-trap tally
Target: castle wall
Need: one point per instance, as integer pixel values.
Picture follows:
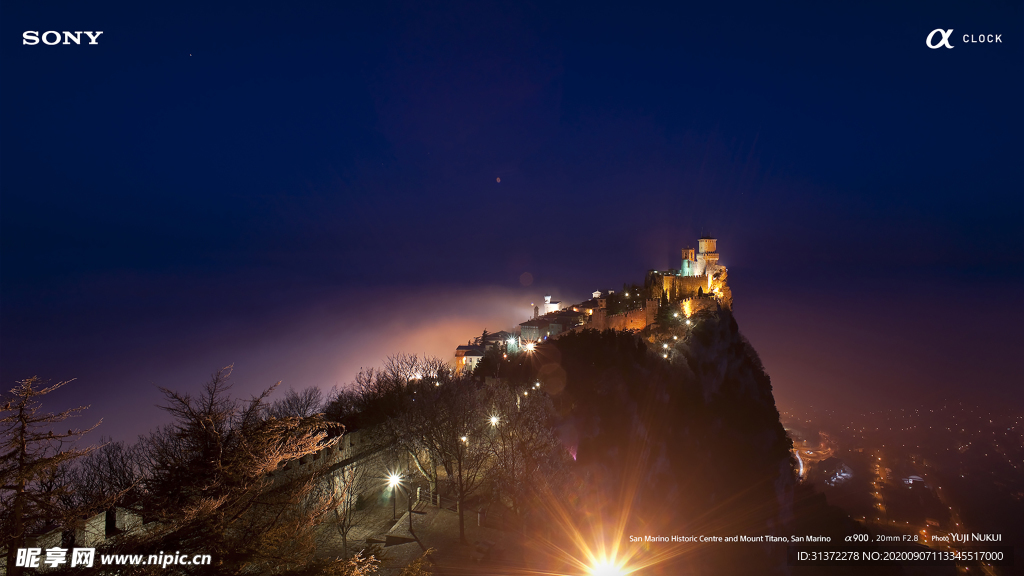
(631, 320)
(353, 447)
(691, 306)
(681, 287)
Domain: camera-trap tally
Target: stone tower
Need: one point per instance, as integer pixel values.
(689, 265)
(707, 255)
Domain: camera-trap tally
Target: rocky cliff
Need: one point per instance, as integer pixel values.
(676, 433)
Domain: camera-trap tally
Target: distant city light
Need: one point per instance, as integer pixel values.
(527, 393)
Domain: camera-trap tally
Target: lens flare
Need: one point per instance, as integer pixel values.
(606, 568)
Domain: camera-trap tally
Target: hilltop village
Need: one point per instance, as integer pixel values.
(469, 473)
(698, 284)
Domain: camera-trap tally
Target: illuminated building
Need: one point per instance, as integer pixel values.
(468, 356)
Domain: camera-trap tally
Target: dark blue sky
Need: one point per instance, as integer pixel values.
(170, 195)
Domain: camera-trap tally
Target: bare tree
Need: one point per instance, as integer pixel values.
(378, 401)
(349, 483)
(33, 465)
(304, 403)
(524, 449)
(447, 421)
(111, 474)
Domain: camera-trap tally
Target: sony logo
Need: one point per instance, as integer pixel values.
(52, 37)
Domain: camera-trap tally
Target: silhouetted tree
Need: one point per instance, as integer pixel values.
(304, 403)
(34, 487)
(348, 484)
(111, 474)
(447, 421)
(523, 446)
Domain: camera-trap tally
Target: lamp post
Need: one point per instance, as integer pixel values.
(394, 480)
(395, 483)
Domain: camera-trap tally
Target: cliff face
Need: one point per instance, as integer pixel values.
(690, 443)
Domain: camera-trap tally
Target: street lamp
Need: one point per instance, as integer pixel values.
(394, 480)
(494, 420)
(395, 483)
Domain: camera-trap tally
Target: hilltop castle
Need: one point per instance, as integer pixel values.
(698, 284)
(698, 274)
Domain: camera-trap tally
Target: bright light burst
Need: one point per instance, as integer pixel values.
(606, 568)
(394, 479)
(594, 533)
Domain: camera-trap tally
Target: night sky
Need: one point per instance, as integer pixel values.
(304, 188)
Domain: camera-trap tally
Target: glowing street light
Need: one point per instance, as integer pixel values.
(687, 322)
(494, 420)
(675, 315)
(531, 346)
(394, 481)
(465, 439)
